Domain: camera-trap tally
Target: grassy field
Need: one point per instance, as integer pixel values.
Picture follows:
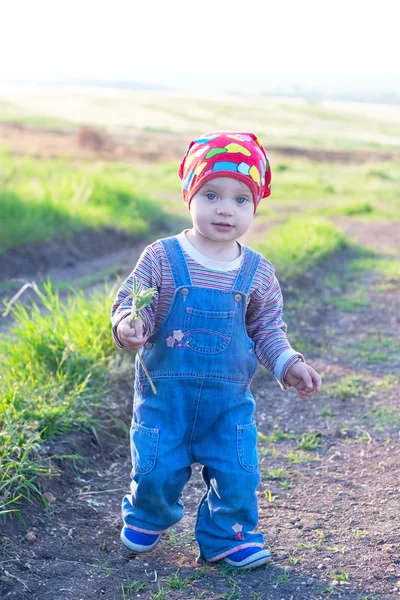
(278, 121)
(41, 199)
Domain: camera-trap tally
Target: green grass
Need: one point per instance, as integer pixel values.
(309, 441)
(378, 347)
(348, 387)
(42, 199)
(306, 187)
(352, 301)
(55, 375)
(300, 243)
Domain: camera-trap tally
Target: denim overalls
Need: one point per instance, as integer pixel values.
(201, 362)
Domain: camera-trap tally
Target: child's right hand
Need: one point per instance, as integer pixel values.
(131, 337)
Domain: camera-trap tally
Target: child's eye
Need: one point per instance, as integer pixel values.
(211, 196)
(242, 200)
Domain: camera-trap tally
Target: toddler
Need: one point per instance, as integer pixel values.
(216, 312)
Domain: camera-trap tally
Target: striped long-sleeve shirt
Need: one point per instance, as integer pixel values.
(264, 322)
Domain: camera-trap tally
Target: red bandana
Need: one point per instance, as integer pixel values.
(226, 154)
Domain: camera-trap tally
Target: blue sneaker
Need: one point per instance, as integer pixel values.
(248, 558)
(137, 541)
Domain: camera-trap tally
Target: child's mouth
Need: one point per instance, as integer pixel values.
(223, 226)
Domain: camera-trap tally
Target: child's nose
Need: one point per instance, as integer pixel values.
(225, 208)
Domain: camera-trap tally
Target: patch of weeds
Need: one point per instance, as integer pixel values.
(177, 583)
(327, 412)
(268, 495)
(172, 536)
(384, 416)
(378, 347)
(386, 383)
(307, 546)
(284, 578)
(160, 595)
(278, 435)
(129, 587)
(336, 550)
(326, 589)
(348, 387)
(379, 174)
(350, 302)
(281, 167)
(102, 569)
(262, 438)
(359, 534)
(234, 594)
(389, 268)
(332, 280)
(274, 474)
(269, 451)
(285, 484)
(357, 208)
(340, 576)
(295, 560)
(309, 441)
(299, 457)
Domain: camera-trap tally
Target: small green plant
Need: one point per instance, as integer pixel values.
(285, 484)
(359, 534)
(102, 569)
(350, 386)
(129, 587)
(300, 457)
(340, 576)
(274, 473)
(160, 595)
(140, 299)
(327, 412)
(234, 594)
(350, 302)
(309, 441)
(295, 560)
(278, 435)
(284, 578)
(172, 536)
(268, 495)
(177, 583)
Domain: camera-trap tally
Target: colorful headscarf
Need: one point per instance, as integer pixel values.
(226, 154)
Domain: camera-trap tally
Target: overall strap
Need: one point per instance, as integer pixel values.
(177, 262)
(250, 262)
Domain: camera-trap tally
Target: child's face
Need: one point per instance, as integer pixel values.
(222, 210)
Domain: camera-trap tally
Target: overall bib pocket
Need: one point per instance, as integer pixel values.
(247, 446)
(207, 331)
(144, 444)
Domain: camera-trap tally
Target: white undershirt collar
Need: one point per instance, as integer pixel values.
(205, 261)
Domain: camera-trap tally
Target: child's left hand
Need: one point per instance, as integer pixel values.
(304, 378)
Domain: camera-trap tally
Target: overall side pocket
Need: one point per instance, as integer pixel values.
(246, 437)
(144, 445)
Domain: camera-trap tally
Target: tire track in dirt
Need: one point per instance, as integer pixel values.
(327, 520)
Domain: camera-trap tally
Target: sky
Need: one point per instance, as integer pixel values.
(126, 38)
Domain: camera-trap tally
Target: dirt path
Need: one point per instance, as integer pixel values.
(331, 514)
